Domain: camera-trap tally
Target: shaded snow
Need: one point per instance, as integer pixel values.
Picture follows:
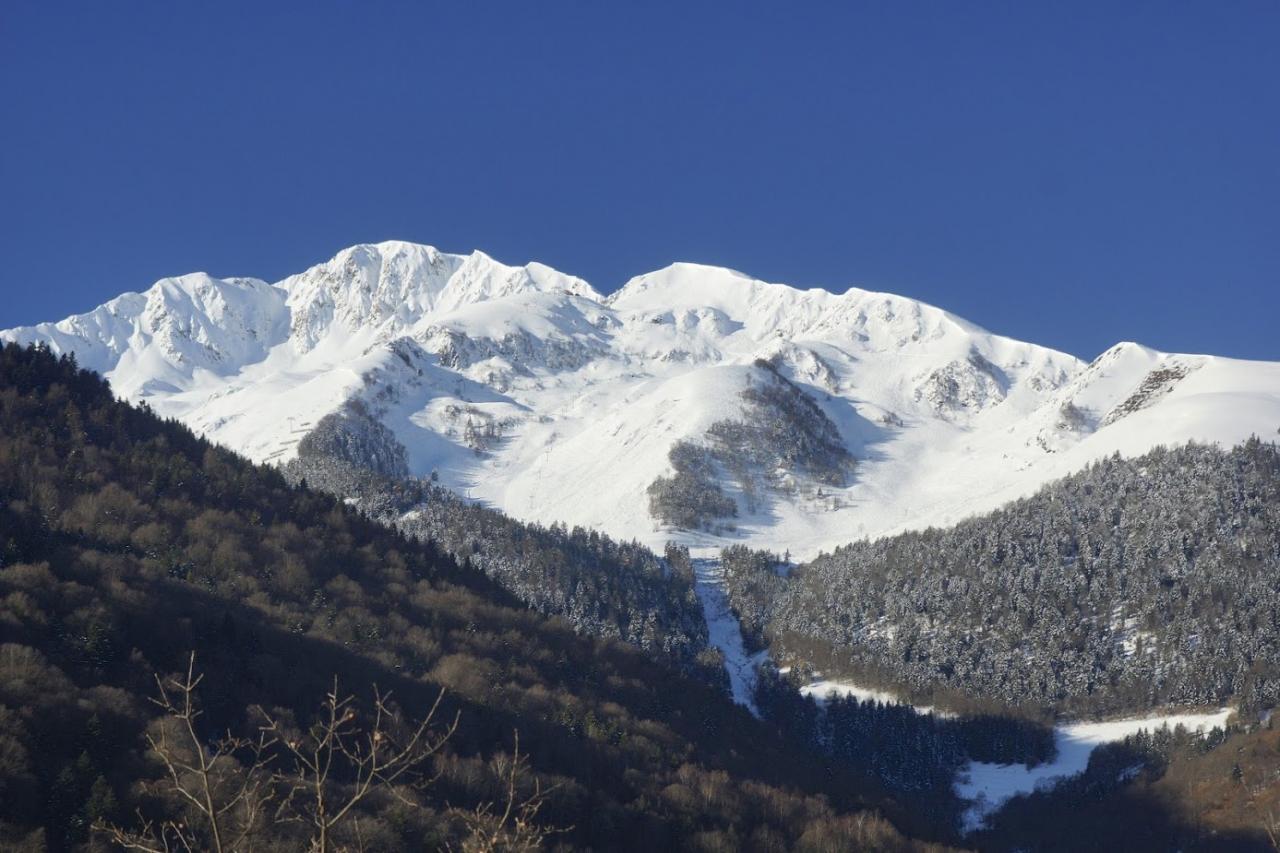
(823, 690)
(988, 786)
(725, 634)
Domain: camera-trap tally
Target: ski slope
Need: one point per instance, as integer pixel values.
(725, 634)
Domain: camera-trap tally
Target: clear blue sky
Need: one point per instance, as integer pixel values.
(1069, 173)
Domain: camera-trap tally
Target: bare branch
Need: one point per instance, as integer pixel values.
(229, 798)
(365, 750)
(516, 828)
(166, 837)
(314, 778)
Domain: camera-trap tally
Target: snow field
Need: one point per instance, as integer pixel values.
(588, 393)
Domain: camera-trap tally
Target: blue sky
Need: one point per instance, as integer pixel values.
(1073, 174)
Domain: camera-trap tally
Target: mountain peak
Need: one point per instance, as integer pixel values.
(880, 321)
(527, 388)
(387, 287)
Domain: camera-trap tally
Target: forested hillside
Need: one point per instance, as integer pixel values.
(1133, 584)
(126, 543)
(603, 587)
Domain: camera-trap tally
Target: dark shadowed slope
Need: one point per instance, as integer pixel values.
(126, 542)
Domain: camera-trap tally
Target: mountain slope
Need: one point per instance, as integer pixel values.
(523, 388)
(1134, 584)
(126, 541)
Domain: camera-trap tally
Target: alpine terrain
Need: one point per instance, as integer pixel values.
(879, 563)
(694, 403)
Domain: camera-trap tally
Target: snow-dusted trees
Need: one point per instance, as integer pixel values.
(604, 587)
(610, 589)
(754, 584)
(906, 750)
(1133, 583)
(356, 437)
(783, 436)
(690, 498)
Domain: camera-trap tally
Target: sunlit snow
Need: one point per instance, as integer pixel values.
(585, 394)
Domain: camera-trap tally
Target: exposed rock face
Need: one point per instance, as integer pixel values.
(1154, 385)
(970, 385)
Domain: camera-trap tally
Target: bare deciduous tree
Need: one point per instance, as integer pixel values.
(1268, 817)
(315, 778)
(229, 796)
(384, 755)
(515, 827)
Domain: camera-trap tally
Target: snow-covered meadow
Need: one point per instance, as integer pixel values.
(989, 786)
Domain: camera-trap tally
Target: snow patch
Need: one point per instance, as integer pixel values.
(824, 690)
(987, 787)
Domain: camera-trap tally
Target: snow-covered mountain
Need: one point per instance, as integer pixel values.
(525, 388)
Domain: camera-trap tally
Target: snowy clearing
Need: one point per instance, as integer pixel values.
(826, 689)
(989, 786)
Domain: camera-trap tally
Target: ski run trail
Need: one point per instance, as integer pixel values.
(724, 632)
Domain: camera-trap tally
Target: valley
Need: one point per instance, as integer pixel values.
(1047, 556)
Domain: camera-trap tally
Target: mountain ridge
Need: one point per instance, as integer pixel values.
(526, 389)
